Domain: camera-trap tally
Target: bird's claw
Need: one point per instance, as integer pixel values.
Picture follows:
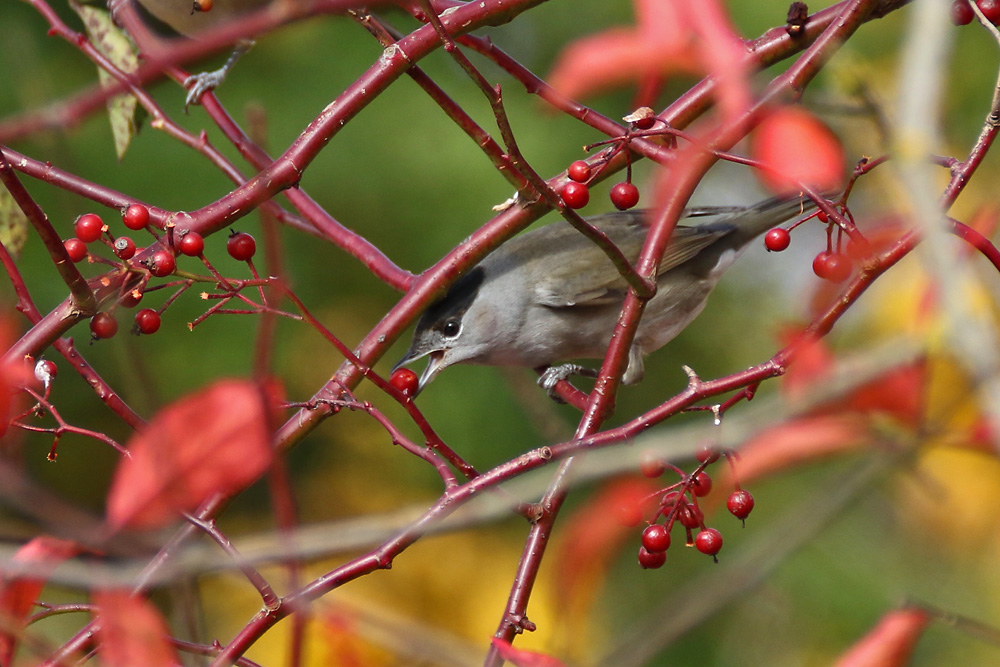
(553, 375)
(199, 84)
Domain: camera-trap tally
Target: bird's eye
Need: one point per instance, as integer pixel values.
(451, 328)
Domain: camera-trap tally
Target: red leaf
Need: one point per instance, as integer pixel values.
(215, 441)
(14, 373)
(796, 148)
(343, 644)
(18, 593)
(797, 442)
(982, 436)
(670, 36)
(899, 392)
(523, 658)
(131, 632)
(890, 643)
(811, 361)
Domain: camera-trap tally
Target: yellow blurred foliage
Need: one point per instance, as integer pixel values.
(950, 496)
(440, 607)
(951, 491)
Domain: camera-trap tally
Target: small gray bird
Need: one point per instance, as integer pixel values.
(551, 295)
(188, 18)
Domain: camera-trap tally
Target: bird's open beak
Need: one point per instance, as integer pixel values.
(434, 366)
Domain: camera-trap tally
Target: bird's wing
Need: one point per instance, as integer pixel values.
(686, 243)
(564, 285)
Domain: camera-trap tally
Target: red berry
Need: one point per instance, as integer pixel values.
(124, 247)
(961, 12)
(576, 195)
(579, 171)
(838, 268)
(162, 263)
(822, 217)
(136, 217)
(669, 499)
(819, 264)
(740, 504)
(191, 244)
(651, 561)
(405, 381)
(706, 455)
(103, 325)
(76, 249)
(147, 321)
(702, 484)
(624, 196)
(46, 371)
(656, 538)
(990, 9)
(832, 266)
(777, 239)
(645, 122)
(131, 298)
(709, 541)
(88, 227)
(689, 516)
(241, 246)
(651, 466)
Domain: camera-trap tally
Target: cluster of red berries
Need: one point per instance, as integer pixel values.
(831, 265)
(576, 194)
(89, 228)
(963, 14)
(681, 506)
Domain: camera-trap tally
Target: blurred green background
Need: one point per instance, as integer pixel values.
(405, 178)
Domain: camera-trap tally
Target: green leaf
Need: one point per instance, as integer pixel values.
(115, 45)
(13, 223)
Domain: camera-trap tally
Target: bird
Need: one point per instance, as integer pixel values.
(551, 295)
(194, 18)
(191, 17)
